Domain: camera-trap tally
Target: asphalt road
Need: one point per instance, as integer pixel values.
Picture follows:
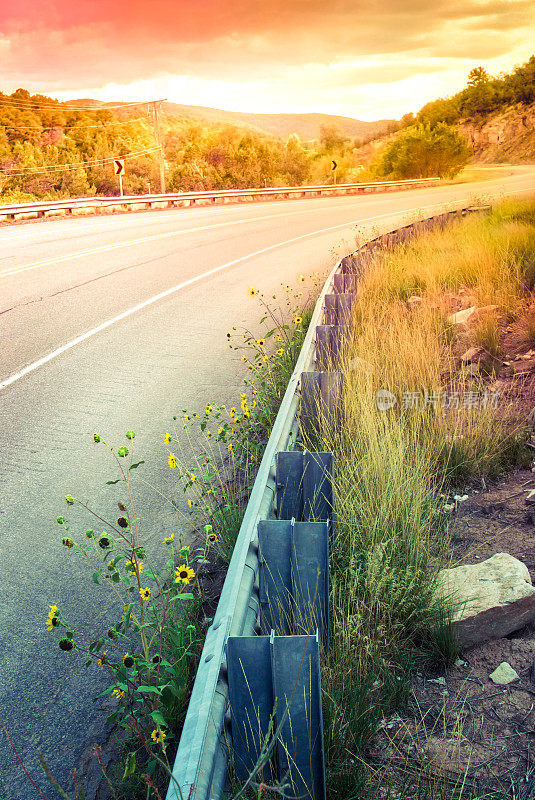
(85, 347)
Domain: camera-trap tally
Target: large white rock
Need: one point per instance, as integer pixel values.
(490, 599)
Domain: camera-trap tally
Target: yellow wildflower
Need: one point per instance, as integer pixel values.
(171, 461)
(252, 291)
(184, 574)
(144, 593)
(298, 320)
(280, 351)
(119, 694)
(102, 660)
(157, 736)
(260, 342)
(167, 438)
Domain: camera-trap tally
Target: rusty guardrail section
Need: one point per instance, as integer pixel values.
(199, 771)
(185, 199)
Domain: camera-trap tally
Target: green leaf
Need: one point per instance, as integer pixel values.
(158, 717)
(136, 465)
(129, 765)
(95, 578)
(112, 718)
(110, 483)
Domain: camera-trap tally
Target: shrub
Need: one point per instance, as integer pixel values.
(422, 151)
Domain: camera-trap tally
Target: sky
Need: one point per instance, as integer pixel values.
(368, 59)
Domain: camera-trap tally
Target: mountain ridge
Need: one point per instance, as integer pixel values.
(307, 125)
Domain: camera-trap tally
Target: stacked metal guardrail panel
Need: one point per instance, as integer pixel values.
(41, 209)
(200, 768)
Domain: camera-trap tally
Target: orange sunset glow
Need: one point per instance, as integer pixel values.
(363, 59)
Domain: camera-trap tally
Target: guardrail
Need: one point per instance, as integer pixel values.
(200, 766)
(177, 199)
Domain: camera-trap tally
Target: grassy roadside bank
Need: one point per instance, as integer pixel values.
(166, 595)
(395, 469)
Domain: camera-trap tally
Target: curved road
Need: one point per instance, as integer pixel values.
(118, 322)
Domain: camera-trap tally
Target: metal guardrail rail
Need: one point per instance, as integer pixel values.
(41, 209)
(200, 766)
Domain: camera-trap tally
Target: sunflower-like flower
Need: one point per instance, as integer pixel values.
(212, 538)
(103, 659)
(169, 539)
(52, 620)
(118, 693)
(128, 660)
(168, 438)
(184, 574)
(252, 291)
(260, 342)
(157, 736)
(298, 320)
(171, 461)
(144, 593)
(280, 351)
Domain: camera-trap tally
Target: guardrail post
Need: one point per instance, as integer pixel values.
(304, 485)
(331, 346)
(321, 401)
(294, 576)
(338, 308)
(275, 689)
(346, 282)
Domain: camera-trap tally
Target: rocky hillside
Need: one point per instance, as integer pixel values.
(507, 136)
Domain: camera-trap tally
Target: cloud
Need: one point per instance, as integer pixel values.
(289, 49)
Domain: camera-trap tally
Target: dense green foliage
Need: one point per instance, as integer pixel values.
(483, 94)
(46, 147)
(423, 151)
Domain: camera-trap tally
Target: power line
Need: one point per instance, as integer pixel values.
(63, 105)
(101, 125)
(75, 165)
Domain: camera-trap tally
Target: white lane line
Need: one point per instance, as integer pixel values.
(191, 281)
(131, 243)
(173, 289)
(151, 217)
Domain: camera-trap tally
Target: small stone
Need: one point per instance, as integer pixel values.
(490, 599)
(460, 498)
(530, 499)
(414, 301)
(532, 673)
(504, 674)
(462, 317)
(440, 681)
(472, 354)
(460, 663)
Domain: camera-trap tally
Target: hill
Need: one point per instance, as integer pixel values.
(307, 126)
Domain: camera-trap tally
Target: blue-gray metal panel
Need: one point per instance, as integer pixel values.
(276, 603)
(251, 701)
(310, 578)
(289, 466)
(318, 477)
(297, 691)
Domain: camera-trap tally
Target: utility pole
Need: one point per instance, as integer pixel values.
(155, 108)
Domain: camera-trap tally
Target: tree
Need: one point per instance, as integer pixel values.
(423, 152)
(332, 139)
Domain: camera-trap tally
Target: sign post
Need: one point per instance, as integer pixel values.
(118, 166)
(333, 168)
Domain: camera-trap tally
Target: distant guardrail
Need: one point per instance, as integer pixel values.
(44, 208)
(199, 771)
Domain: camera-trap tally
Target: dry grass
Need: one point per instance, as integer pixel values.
(391, 535)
